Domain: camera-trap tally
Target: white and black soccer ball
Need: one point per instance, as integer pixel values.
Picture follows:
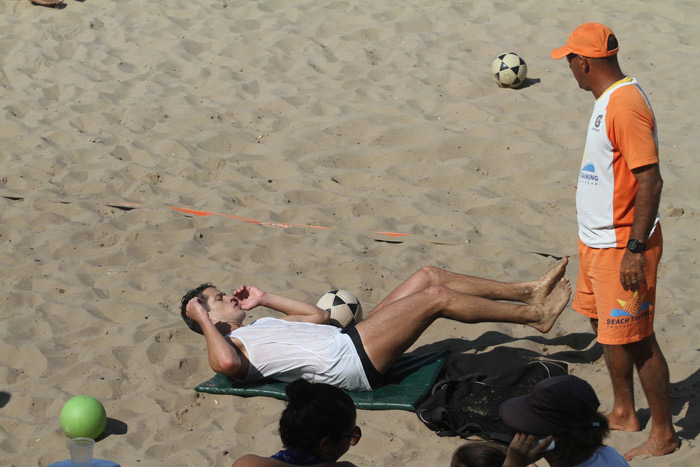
(344, 307)
(509, 70)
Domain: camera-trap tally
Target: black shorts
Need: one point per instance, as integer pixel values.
(373, 376)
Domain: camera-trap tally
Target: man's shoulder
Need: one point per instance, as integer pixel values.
(629, 97)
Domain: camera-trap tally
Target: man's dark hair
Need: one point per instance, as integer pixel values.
(314, 411)
(576, 446)
(196, 292)
(612, 45)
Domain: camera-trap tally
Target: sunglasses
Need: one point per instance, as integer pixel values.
(355, 436)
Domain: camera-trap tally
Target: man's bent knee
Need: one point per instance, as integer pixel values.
(436, 297)
(432, 272)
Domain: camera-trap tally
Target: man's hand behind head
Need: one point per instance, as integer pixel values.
(196, 311)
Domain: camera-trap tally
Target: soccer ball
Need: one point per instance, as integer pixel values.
(344, 307)
(509, 70)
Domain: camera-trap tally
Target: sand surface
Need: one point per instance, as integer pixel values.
(284, 116)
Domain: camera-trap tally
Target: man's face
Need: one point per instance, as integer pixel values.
(577, 66)
(223, 307)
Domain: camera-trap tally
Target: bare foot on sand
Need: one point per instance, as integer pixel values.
(654, 447)
(551, 307)
(630, 423)
(541, 288)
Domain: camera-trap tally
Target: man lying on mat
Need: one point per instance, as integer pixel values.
(299, 344)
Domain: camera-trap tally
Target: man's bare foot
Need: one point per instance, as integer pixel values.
(630, 423)
(541, 288)
(654, 447)
(551, 307)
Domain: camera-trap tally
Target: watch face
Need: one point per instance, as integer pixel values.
(635, 246)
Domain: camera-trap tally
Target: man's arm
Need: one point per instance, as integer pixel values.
(295, 310)
(646, 207)
(223, 357)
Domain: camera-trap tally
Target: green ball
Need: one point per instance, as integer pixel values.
(83, 416)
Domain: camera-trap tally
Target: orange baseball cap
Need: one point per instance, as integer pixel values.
(589, 40)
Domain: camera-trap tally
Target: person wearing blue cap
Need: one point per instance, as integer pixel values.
(561, 412)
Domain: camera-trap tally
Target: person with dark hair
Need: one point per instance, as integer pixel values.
(197, 292)
(300, 344)
(479, 454)
(561, 413)
(317, 427)
(620, 239)
(521, 452)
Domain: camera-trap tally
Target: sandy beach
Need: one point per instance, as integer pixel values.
(306, 130)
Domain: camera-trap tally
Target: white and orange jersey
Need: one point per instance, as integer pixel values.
(621, 137)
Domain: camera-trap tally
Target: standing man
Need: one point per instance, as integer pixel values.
(620, 240)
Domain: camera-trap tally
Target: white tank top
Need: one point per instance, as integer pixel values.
(287, 350)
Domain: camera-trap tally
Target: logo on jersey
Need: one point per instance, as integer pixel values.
(588, 175)
(630, 310)
(598, 119)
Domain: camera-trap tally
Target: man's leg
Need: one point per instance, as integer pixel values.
(654, 376)
(526, 292)
(621, 369)
(390, 330)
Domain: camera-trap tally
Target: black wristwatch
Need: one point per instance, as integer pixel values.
(635, 246)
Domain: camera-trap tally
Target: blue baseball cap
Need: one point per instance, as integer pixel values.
(555, 405)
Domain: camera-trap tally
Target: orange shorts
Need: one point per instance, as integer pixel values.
(623, 316)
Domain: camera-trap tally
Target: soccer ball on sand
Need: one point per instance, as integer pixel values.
(344, 307)
(509, 70)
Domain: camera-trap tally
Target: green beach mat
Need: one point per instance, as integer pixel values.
(405, 385)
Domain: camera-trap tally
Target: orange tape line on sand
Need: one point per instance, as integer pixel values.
(195, 212)
(280, 225)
